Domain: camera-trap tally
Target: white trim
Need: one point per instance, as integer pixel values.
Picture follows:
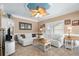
(24, 18)
(72, 34)
(26, 33)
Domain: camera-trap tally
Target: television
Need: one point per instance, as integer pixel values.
(8, 35)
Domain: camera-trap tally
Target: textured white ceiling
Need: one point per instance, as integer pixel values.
(55, 9)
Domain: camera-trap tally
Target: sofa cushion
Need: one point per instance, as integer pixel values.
(23, 35)
(28, 35)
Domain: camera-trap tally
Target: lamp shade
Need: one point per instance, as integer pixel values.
(69, 29)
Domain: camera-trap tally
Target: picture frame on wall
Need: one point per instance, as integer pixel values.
(67, 22)
(29, 26)
(22, 26)
(25, 26)
(75, 22)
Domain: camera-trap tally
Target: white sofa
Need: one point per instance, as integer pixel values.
(57, 41)
(27, 40)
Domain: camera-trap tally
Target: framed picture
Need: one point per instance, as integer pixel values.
(25, 26)
(75, 22)
(67, 22)
(43, 25)
(22, 26)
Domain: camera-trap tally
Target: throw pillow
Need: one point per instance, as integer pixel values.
(22, 35)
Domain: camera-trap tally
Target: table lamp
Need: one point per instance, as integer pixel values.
(69, 30)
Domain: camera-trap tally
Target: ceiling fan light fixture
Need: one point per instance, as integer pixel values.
(42, 11)
(34, 12)
(39, 12)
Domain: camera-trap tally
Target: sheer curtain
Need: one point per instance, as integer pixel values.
(53, 28)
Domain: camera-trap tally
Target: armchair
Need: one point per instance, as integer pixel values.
(57, 41)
